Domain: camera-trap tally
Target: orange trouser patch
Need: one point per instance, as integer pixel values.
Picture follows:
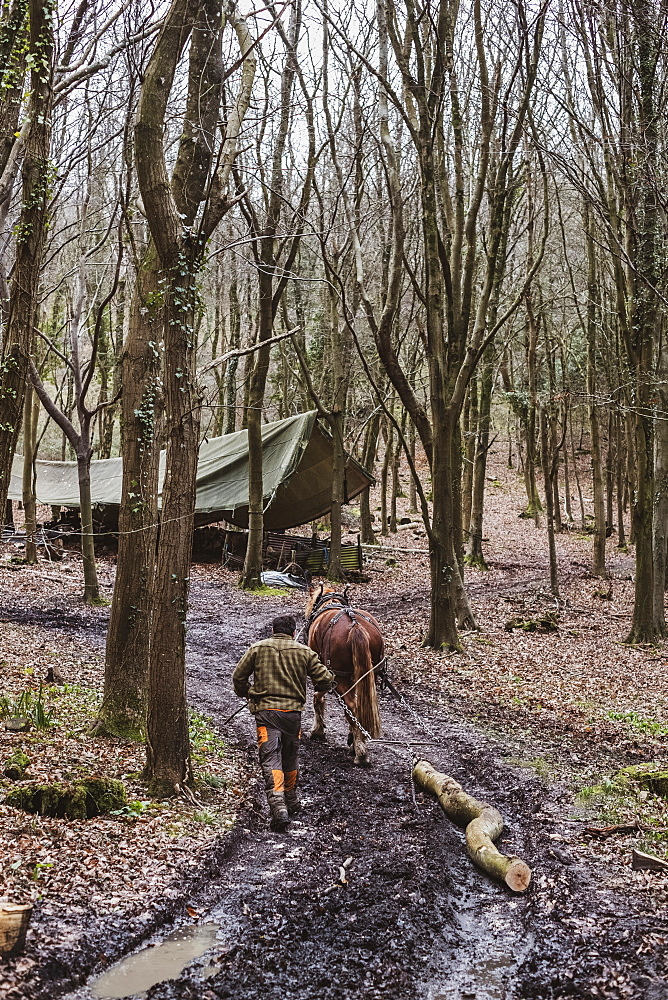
(261, 735)
(290, 780)
(279, 781)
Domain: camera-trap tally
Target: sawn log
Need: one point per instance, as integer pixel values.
(483, 825)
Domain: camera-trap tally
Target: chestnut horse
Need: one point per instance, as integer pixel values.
(349, 643)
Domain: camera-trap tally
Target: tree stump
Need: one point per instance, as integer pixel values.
(14, 920)
(16, 766)
(483, 825)
(82, 799)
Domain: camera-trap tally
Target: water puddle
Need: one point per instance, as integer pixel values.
(137, 973)
(493, 947)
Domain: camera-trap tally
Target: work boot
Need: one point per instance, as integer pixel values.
(292, 802)
(279, 814)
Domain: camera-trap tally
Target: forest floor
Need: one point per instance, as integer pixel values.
(539, 723)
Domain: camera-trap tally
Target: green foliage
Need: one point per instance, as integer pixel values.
(213, 781)
(40, 867)
(203, 738)
(640, 723)
(206, 817)
(29, 706)
(133, 810)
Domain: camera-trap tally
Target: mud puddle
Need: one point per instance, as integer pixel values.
(137, 973)
(496, 947)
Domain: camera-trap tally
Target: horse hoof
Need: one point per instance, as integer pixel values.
(362, 762)
(317, 736)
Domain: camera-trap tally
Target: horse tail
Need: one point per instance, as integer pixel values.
(364, 679)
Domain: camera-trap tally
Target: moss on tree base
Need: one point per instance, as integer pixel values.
(16, 766)
(652, 776)
(69, 800)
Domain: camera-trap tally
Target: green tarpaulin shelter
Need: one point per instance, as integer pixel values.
(297, 472)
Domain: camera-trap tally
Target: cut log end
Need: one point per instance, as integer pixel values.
(518, 875)
(14, 920)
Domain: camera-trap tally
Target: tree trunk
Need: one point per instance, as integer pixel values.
(387, 458)
(534, 506)
(475, 556)
(445, 576)
(412, 491)
(549, 503)
(30, 234)
(661, 510)
(168, 763)
(368, 536)
(568, 505)
(91, 589)
(251, 578)
(598, 567)
(619, 473)
(230, 390)
(631, 471)
(644, 628)
(646, 323)
(335, 572)
(30, 416)
(609, 473)
(396, 482)
(471, 430)
(123, 709)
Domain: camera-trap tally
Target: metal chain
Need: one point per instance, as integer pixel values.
(353, 718)
(412, 757)
(416, 717)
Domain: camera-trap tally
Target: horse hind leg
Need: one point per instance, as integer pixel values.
(359, 747)
(319, 702)
(357, 743)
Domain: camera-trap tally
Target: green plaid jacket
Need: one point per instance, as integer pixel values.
(279, 666)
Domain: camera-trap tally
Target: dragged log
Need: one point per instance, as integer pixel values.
(482, 823)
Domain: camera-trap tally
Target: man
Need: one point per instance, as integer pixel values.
(276, 698)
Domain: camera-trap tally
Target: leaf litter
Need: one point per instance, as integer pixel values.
(572, 705)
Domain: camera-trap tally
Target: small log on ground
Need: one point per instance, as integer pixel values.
(648, 862)
(14, 920)
(483, 825)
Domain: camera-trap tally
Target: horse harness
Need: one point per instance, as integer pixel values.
(339, 603)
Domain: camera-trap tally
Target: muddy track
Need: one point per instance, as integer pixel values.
(415, 919)
(398, 927)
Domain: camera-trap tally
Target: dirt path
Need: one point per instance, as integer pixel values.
(415, 919)
(397, 927)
